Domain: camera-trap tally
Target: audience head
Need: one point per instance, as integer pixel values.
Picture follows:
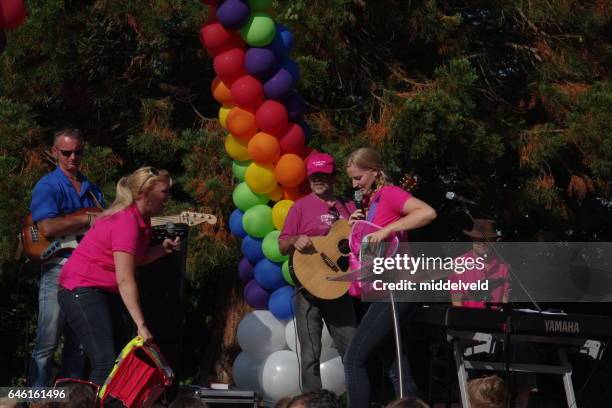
(81, 393)
(487, 392)
(407, 403)
(315, 399)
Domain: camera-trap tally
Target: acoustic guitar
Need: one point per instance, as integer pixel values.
(328, 259)
(39, 248)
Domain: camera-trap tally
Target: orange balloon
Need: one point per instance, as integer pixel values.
(264, 148)
(241, 123)
(290, 193)
(276, 194)
(221, 92)
(290, 170)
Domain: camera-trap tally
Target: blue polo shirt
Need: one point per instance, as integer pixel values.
(55, 195)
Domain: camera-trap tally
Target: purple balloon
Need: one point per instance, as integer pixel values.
(295, 106)
(260, 62)
(245, 270)
(283, 81)
(256, 296)
(233, 14)
(2, 40)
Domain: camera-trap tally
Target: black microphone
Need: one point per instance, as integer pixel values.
(358, 199)
(453, 196)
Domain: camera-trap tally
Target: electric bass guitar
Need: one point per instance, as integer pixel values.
(328, 259)
(39, 248)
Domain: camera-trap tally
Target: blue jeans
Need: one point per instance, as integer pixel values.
(374, 327)
(101, 323)
(51, 325)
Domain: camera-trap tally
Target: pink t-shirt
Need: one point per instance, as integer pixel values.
(92, 264)
(497, 274)
(311, 216)
(387, 205)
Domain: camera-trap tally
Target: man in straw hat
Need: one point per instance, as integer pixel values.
(483, 234)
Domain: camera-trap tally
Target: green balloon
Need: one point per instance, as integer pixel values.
(257, 221)
(244, 198)
(259, 31)
(270, 248)
(239, 168)
(287, 274)
(259, 5)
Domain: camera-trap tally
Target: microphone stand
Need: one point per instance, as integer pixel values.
(507, 310)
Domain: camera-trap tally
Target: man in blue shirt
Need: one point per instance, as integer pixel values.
(61, 192)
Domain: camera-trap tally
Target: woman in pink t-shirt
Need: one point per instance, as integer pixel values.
(98, 291)
(396, 211)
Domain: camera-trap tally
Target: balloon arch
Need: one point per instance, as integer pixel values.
(267, 137)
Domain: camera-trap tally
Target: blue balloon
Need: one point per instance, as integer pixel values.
(235, 223)
(269, 274)
(281, 303)
(286, 37)
(282, 43)
(233, 14)
(251, 249)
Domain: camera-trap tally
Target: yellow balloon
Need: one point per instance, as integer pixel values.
(224, 110)
(276, 194)
(260, 178)
(279, 213)
(236, 148)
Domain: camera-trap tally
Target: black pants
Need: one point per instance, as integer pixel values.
(101, 323)
(310, 313)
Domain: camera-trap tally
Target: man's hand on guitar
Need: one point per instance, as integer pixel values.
(172, 244)
(303, 243)
(356, 216)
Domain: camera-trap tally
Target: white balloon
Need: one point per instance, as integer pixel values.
(246, 372)
(279, 375)
(260, 333)
(294, 344)
(328, 354)
(332, 375)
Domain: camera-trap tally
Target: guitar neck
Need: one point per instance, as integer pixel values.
(156, 221)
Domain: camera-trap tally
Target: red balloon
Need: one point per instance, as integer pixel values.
(230, 65)
(217, 39)
(247, 92)
(12, 13)
(272, 117)
(292, 141)
(212, 15)
(306, 152)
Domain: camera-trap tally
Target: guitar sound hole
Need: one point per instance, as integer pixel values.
(343, 246)
(343, 263)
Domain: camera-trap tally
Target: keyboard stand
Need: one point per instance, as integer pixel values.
(459, 339)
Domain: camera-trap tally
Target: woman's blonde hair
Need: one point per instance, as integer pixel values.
(487, 392)
(367, 158)
(139, 182)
